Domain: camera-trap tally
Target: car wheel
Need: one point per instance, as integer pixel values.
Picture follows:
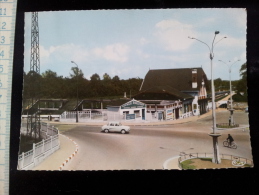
(106, 130)
(123, 131)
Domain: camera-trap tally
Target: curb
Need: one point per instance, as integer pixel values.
(165, 165)
(71, 156)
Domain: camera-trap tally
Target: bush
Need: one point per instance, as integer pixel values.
(239, 98)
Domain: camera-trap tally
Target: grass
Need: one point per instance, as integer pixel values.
(201, 163)
(187, 164)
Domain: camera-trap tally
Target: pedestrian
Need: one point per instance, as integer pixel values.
(230, 140)
(229, 121)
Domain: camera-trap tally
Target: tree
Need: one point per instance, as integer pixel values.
(95, 85)
(242, 83)
(95, 77)
(76, 72)
(106, 77)
(49, 74)
(32, 83)
(243, 71)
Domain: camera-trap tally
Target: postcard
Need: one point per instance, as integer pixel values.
(148, 89)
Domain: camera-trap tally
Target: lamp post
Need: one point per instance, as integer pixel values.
(231, 110)
(214, 135)
(76, 91)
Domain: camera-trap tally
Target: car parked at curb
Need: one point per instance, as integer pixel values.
(115, 127)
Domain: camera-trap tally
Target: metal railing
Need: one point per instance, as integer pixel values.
(40, 150)
(226, 125)
(184, 157)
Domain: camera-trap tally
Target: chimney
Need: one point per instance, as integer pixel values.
(194, 78)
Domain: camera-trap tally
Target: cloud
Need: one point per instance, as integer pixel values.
(71, 50)
(174, 34)
(116, 52)
(233, 42)
(142, 54)
(239, 16)
(243, 56)
(143, 41)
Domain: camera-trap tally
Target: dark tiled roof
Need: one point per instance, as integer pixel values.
(162, 93)
(180, 79)
(118, 102)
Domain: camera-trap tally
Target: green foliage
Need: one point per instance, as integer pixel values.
(239, 98)
(220, 85)
(243, 71)
(187, 164)
(50, 85)
(76, 72)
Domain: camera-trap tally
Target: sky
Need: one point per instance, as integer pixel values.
(128, 43)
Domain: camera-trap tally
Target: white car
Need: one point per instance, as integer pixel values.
(115, 127)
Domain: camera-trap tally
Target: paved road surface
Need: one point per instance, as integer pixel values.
(149, 147)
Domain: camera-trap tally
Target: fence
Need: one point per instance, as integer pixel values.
(244, 128)
(227, 125)
(103, 115)
(87, 115)
(184, 157)
(186, 115)
(40, 150)
(83, 115)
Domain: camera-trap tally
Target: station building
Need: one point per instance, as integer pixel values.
(177, 92)
(126, 110)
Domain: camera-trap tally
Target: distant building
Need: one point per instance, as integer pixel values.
(126, 110)
(181, 90)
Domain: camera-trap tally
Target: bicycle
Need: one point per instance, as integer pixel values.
(233, 144)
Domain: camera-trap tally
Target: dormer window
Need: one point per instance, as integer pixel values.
(194, 78)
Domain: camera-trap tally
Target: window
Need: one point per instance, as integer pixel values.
(137, 113)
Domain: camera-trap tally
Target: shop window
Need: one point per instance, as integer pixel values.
(137, 113)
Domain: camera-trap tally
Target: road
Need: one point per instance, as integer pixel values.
(148, 147)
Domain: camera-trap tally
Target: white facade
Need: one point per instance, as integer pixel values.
(131, 110)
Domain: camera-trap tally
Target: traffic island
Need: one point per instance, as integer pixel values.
(204, 161)
(226, 125)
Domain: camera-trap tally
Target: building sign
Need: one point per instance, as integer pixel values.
(169, 114)
(130, 116)
(133, 104)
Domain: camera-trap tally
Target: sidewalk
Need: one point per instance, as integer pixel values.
(53, 162)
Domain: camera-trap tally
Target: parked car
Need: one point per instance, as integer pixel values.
(246, 109)
(115, 127)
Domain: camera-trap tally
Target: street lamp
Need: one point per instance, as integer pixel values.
(231, 110)
(214, 135)
(76, 91)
